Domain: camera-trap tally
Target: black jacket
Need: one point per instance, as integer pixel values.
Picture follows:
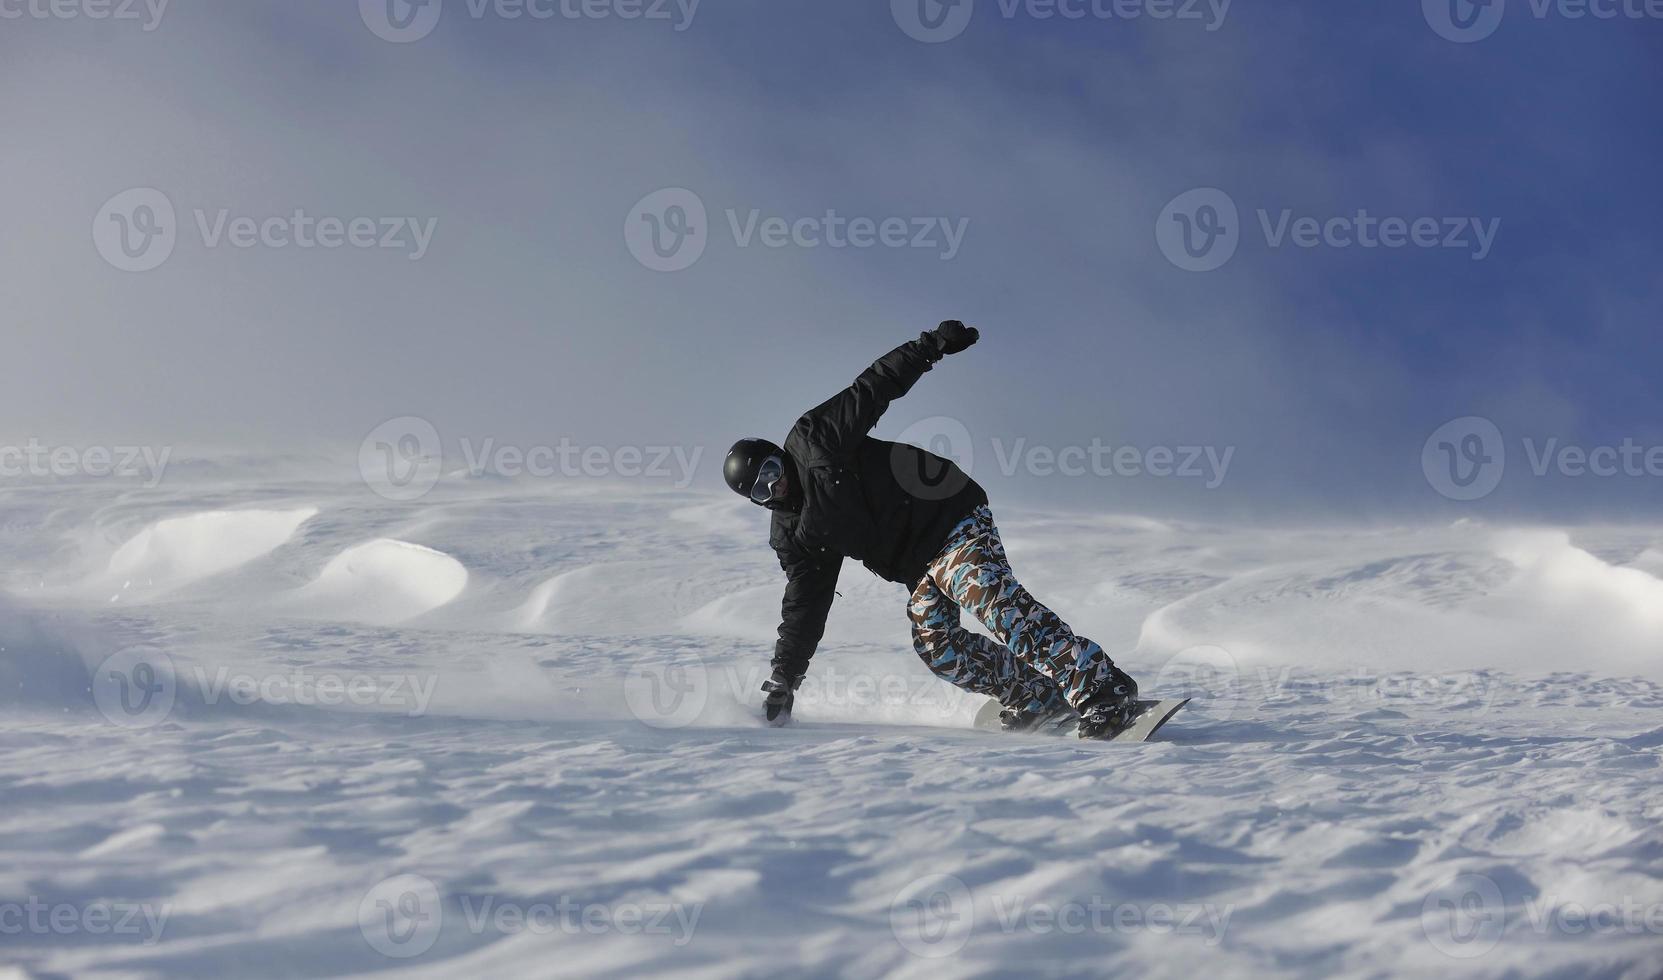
(888, 504)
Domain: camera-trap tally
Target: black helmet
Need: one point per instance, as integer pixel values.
(745, 460)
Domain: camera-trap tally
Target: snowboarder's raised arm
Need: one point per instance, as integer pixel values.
(841, 421)
(810, 587)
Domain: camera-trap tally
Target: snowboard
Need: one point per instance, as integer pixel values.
(1150, 717)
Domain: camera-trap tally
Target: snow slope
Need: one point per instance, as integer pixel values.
(511, 730)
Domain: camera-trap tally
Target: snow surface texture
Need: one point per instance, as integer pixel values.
(285, 728)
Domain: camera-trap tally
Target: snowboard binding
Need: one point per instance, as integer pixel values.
(1112, 709)
(1029, 720)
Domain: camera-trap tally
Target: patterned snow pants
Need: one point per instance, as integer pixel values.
(1037, 661)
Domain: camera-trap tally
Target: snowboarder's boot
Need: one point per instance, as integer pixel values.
(1112, 709)
(1042, 709)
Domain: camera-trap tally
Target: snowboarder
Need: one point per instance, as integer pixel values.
(915, 518)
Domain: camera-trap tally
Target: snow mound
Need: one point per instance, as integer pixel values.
(867, 611)
(1527, 600)
(1557, 572)
(383, 582)
(1650, 560)
(750, 614)
(176, 551)
(615, 598)
(42, 663)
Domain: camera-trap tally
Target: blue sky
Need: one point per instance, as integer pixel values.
(1053, 146)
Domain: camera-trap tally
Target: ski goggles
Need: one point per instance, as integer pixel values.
(762, 491)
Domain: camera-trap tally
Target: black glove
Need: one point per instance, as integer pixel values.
(953, 336)
(782, 693)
